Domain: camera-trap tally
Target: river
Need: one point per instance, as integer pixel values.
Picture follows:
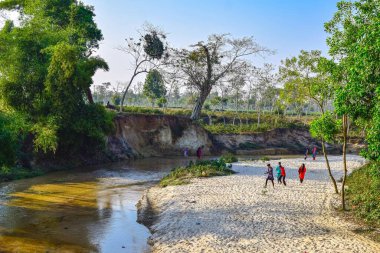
(83, 210)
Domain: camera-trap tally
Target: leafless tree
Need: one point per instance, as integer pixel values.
(260, 81)
(142, 61)
(206, 63)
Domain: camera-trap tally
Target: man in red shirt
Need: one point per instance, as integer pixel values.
(283, 173)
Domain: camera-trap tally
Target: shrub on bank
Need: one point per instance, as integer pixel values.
(364, 192)
(229, 158)
(206, 168)
(16, 173)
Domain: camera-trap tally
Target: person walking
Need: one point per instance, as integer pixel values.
(270, 175)
(283, 173)
(314, 152)
(278, 173)
(302, 172)
(306, 153)
(186, 152)
(199, 152)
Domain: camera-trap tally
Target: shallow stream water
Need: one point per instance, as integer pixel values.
(82, 210)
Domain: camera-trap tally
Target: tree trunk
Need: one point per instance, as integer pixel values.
(258, 117)
(89, 96)
(329, 168)
(197, 110)
(344, 161)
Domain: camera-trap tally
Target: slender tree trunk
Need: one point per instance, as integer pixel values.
(197, 110)
(344, 161)
(329, 168)
(89, 96)
(258, 117)
(126, 91)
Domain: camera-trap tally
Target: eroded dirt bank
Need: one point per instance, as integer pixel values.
(160, 135)
(236, 214)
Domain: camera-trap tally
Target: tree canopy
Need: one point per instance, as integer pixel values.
(354, 43)
(46, 69)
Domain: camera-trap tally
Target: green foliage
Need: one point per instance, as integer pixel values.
(154, 86)
(229, 158)
(142, 110)
(161, 102)
(45, 136)
(264, 159)
(16, 173)
(46, 71)
(363, 192)
(13, 129)
(250, 128)
(354, 42)
(206, 168)
(305, 77)
(88, 130)
(325, 127)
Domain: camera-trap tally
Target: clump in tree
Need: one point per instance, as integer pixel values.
(154, 87)
(153, 45)
(325, 128)
(209, 62)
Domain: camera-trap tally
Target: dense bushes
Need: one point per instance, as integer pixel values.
(207, 168)
(13, 129)
(364, 192)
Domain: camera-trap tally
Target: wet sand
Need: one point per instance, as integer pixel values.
(236, 214)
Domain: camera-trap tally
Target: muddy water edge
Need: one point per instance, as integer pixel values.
(83, 210)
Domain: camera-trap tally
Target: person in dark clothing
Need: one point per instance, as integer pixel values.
(200, 152)
(270, 175)
(306, 153)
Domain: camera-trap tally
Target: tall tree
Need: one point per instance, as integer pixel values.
(46, 68)
(154, 87)
(207, 63)
(354, 44)
(306, 76)
(147, 52)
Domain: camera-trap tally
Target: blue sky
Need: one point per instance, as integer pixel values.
(286, 26)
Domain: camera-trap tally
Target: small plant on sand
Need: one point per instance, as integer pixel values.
(264, 159)
(229, 158)
(207, 168)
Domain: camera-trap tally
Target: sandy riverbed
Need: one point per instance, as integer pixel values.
(236, 214)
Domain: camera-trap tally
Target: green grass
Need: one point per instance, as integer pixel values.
(364, 193)
(9, 174)
(250, 128)
(208, 168)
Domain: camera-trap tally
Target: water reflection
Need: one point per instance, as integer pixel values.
(86, 210)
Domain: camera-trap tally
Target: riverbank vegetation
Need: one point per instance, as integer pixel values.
(201, 168)
(46, 67)
(363, 193)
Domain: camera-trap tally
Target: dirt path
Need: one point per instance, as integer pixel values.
(236, 214)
